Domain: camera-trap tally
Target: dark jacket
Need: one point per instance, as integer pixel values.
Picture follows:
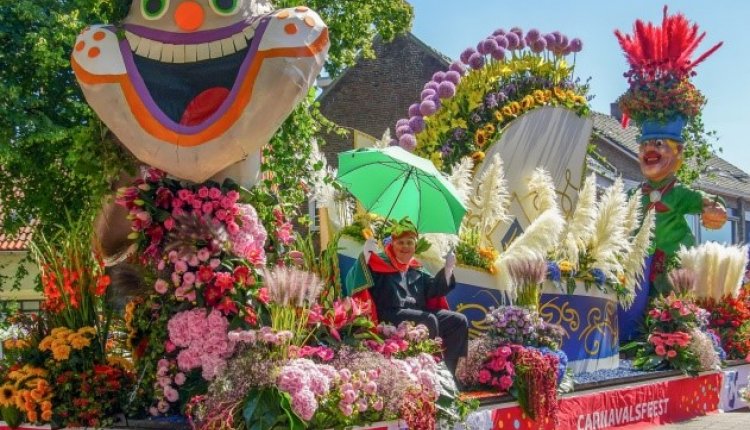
(389, 295)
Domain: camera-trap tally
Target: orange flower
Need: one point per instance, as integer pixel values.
(32, 416)
(47, 415)
(46, 405)
(61, 352)
(37, 395)
(79, 342)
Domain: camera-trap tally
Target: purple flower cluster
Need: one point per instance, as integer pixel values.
(513, 324)
(495, 47)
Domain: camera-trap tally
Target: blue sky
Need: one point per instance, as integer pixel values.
(451, 26)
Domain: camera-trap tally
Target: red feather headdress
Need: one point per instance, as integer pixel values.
(660, 68)
(663, 52)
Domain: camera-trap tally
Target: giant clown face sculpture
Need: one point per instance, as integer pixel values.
(195, 86)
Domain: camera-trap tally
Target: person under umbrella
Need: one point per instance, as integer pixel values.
(402, 290)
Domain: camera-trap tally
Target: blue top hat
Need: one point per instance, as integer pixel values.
(663, 130)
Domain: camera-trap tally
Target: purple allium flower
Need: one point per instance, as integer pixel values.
(551, 41)
(408, 142)
(401, 122)
(490, 101)
(563, 40)
(446, 90)
(502, 41)
(521, 44)
(501, 97)
(466, 55)
(402, 130)
(431, 85)
(393, 142)
(533, 34)
(438, 77)
(512, 40)
(498, 32)
(539, 45)
(480, 49)
(476, 61)
(489, 45)
(517, 31)
(435, 99)
(498, 54)
(416, 123)
(452, 76)
(457, 67)
(427, 107)
(414, 109)
(576, 45)
(426, 93)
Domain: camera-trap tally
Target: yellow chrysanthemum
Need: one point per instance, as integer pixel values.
(565, 266)
(46, 343)
(79, 342)
(527, 102)
(7, 395)
(60, 332)
(480, 138)
(61, 352)
(499, 117)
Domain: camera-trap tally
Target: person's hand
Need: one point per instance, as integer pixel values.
(450, 264)
(371, 245)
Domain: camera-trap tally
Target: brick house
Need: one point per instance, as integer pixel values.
(372, 95)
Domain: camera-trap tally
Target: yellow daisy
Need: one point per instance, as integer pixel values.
(480, 138)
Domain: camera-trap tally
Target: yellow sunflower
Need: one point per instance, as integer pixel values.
(499, 117)
(7, 395)
(539, 96)
(527, 102)
(477, 156)
(489, 129)
(515, 107)
(480, 138)
(507, 111)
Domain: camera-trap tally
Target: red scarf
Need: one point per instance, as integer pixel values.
(658, 205)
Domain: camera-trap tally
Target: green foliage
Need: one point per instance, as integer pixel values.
(270, 408)
(354, 24)
(700, 146)
(53, 151)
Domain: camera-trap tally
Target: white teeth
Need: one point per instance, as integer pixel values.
(227, 46)
(202, 51)
(169, 53)
(155, 52)
(239, 42)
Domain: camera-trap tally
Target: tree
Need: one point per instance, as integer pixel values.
(55, 155)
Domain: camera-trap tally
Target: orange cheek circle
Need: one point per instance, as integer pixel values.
(189, 16)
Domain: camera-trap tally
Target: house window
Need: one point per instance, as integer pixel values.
(312, 212)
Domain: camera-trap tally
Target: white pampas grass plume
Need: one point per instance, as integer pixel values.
(542, 188)
(290, 286)
(635, 261)
(461, 178)
(633, 213)
(581, 226)
(538, 239)
(719, 269)
(385, 140)
(609, 233)
(489, 204)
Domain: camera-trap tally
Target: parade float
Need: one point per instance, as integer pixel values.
(244, 324)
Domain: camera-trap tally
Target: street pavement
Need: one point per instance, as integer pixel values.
(735, 420)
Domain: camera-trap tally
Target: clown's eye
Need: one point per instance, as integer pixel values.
(658, 143)
(225, 7)
(154, 9)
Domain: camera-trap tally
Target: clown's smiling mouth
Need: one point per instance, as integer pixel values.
(190, 82)
(651, 158)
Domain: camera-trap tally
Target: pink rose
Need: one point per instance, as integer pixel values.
(179, 378)
(161, 286)
(671, 353)
(203, 192)
(214, 193)
(660, 351)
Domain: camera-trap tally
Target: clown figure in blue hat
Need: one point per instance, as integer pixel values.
(661, 99)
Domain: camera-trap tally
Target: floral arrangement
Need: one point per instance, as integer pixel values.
(677, 337)
(464, 109)
(660, 69)
(604, 243)
(519, 354)
(729, 317)
(61, 369)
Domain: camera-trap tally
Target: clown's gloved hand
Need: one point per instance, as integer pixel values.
(371, 245)
(450, 264)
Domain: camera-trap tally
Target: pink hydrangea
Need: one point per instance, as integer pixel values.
(203, 339)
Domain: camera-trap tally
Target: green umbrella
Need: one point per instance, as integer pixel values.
(395, 183)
